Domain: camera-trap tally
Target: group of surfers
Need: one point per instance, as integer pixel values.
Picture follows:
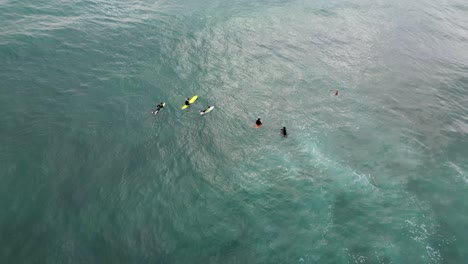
(187, 103)
(258, 122)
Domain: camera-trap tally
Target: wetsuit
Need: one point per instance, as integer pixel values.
(259, 122)
(284, 132)
(158, 108)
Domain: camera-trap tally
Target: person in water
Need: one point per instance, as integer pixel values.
(335, 92)
(187, 101)
(284, 132)
(259, 122)
(158, 108)
(204, 111)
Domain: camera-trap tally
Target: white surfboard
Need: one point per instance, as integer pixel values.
(207, 110)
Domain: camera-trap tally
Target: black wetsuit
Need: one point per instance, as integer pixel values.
(158, 108)
(284, 132)
(258, 122)
(187, 102)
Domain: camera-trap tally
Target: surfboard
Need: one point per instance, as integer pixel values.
(207, 110)
(191, 101)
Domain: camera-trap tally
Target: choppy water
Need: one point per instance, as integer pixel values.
(378, 174)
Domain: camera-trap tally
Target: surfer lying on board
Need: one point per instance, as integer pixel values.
(158, 108)
(284, 132)
(187, 101)
(204, 111)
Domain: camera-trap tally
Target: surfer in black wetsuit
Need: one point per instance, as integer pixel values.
(187, 101)
(259, 122)
(284, 132)
(204, 111)
(158, 108)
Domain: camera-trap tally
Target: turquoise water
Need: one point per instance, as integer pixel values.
(378, 174)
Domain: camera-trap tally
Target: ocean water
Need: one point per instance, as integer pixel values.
(378, 174)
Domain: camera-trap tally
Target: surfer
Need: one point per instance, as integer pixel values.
(284, 132)
(202, 112)
(189, 102)
(158, 108)
(335, 92)
(259, 122)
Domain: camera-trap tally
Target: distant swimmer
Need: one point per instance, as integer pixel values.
(284, 132)
(158, 108)
(258, 123)
(336, 92)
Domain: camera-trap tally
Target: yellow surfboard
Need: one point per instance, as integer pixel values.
(191, 101)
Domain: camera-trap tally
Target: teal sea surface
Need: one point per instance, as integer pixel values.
(378, 174)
